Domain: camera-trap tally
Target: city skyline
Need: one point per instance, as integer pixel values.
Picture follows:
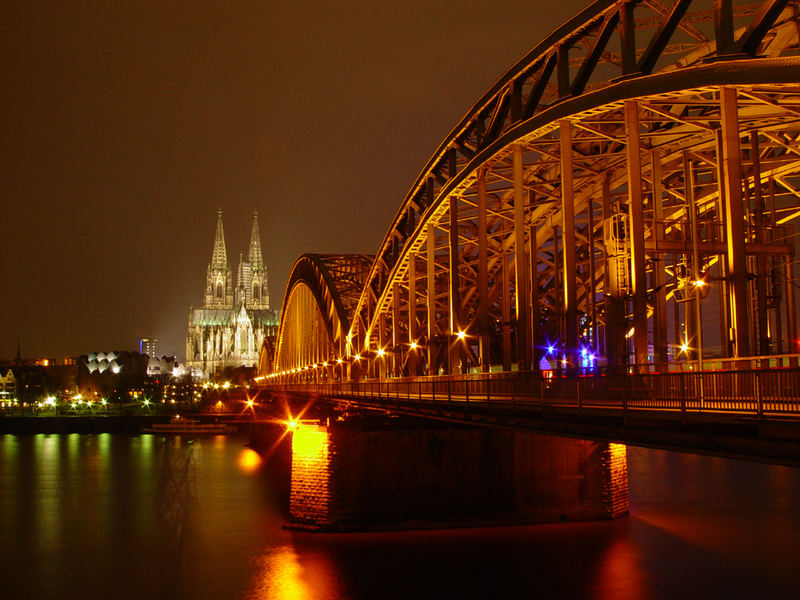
(115, 160)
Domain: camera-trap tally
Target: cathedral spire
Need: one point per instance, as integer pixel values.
(256, 259)
(219, 259)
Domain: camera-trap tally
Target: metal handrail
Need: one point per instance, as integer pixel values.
(757, 392)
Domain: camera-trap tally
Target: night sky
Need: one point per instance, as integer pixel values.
(125, 126)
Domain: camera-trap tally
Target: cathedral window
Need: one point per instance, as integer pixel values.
(219, 291)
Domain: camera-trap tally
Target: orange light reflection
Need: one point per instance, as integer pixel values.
(285, 575)
(249, 461)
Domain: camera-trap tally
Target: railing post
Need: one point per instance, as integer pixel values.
(759, 395)
(626, 390)
(541, 392)
(683, 393)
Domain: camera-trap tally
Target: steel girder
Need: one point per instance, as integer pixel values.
(616, 95)
(638, 153)
(321, 293)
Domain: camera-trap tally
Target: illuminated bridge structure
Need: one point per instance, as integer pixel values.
(603, 246)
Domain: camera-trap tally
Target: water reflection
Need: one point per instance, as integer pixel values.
(249, 461)
(282, 576)
(200, 519)
(619, 573)
(176, 490)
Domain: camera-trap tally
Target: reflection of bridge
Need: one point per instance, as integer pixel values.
(612, 218)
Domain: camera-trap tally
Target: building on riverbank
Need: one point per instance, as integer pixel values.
(228, 330)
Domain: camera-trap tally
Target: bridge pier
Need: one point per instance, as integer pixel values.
(394, 473)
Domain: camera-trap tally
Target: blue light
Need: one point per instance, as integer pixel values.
(551, 349)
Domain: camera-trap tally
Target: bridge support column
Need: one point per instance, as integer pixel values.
(483, 276)
(521, 266)
(397, 357)
(413, 353)
(734, 222)
(431, 281)
(660, 342)
(379, 475)
(568, 248)
(454, 345)
(537, 341)
(506, 312)
(697, 319)
(636, 212)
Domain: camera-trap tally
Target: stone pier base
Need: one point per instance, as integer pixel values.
(355, 477)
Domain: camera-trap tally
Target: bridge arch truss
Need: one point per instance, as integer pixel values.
(626, 194)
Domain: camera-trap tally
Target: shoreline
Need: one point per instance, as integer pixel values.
(81, 424)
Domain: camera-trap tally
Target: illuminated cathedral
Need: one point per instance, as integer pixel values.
(231, 325)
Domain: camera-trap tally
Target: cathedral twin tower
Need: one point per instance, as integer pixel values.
(230, 327)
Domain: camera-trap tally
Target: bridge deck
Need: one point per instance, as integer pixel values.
(743, 414)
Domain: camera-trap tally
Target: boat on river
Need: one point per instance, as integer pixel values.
(181, 425)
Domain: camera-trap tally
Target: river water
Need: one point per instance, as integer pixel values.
(117, 516)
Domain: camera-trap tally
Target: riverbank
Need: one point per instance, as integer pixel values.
(85, 423)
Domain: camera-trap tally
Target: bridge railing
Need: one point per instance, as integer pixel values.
(757, 392)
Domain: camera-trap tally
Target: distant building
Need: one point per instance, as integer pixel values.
(31, 380)
(230, 327)
(114, 375)
(148, 346)
(8, 386)
(166, 366)
(168, 381)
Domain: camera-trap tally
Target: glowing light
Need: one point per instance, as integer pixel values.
(50, 400)
(339, 360)
(413, 345)
(551, 349)
(292, 424)
(146, 402)
(77, 397)
(249, 403)
(309, 442)
(461, 335)
(684, 348)
(583, 352)
(226, 385)
(357, 357)
(380, 352)
(699, 283)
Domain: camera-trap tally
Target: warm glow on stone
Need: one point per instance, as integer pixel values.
(308, 442)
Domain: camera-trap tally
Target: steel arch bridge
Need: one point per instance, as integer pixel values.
(622, 198)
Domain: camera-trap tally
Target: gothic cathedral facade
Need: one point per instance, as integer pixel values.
(230, 327)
